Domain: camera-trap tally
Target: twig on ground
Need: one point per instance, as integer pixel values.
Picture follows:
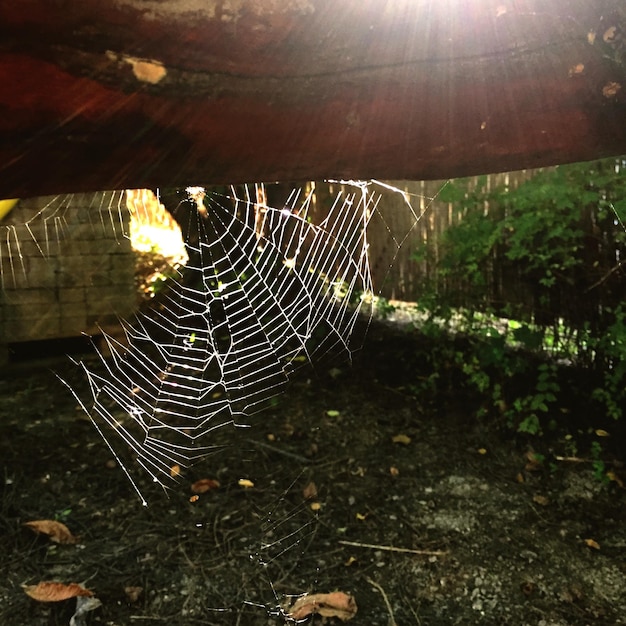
(418, 621)
(373, 546)
(289, 455)
(392, 619)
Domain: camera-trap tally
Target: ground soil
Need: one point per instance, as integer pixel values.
(452, 523)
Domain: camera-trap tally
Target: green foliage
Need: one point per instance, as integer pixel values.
(597, 464)
(547, 256)
(63, 515)
(555, 236)
(383, 307)
(611, 348)
(537, 402)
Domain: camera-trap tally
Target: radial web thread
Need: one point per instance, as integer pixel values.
(265, 290)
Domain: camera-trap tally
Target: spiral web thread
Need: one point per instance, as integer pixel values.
(56, 220)
(265, 290)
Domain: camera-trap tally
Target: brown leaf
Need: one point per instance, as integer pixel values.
(58, 532)
(133, 593)
(609, 34)
(310, 491)
(55, 592)
(403, 439)
(534, 463)
(592, 543)
(541, 500)
(611, 475)
(204, 484)
(337, 604)
(175, 471)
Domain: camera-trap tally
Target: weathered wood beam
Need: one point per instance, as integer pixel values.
(105, 94)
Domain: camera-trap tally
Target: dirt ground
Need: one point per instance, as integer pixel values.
(425, 515)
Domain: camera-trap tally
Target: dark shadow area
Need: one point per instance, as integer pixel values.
(456, 520)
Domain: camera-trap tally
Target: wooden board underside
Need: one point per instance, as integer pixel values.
(108, 94)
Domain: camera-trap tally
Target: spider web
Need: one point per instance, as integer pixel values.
(53, 220)
(265, 291)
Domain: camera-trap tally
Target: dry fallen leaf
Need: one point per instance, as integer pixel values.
(175, 471)
(610, 89)
(288, 429)
(541, 500)
(55, 592)
(535, 462)
(337, 604)
(204, 484)
(600, 432)
(58, 532)
(592, 543)
(611, 475)
(394, 471)
(591, 37)
(609, 34)
(310, 491)
(403, 439)
(133, 593)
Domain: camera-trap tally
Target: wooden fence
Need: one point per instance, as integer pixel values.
(414, 214)
(410, 214)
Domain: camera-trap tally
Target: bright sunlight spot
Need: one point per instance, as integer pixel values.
(153, 229)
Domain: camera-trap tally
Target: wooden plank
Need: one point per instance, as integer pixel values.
(99, 94)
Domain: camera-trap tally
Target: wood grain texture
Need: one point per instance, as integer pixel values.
(107, 94)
